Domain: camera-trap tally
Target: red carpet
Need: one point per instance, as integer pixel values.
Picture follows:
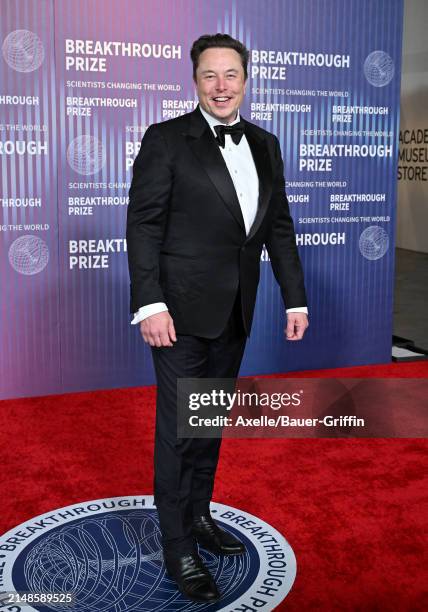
(354, 511)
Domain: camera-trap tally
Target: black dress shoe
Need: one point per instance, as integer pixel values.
(216, 540)
(192, 577)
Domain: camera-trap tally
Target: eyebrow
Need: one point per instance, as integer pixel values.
(213, 71)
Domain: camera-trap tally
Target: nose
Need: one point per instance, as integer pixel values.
(220, 84)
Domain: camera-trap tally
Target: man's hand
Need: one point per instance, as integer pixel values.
(158, 330)
(297, 322)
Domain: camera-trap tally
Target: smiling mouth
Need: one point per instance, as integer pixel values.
(221, 99)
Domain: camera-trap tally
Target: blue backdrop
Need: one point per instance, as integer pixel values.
(81, 83)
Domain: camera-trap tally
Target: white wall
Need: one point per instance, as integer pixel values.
(412, 219)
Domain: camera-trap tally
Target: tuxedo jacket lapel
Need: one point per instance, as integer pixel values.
(202, 143)
(261, 159)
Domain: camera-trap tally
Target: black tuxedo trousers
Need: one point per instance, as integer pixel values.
(185, 468)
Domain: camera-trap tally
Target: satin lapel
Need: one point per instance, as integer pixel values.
(261, 159)
(207, 152)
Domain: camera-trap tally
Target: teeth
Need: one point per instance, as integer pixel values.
(221, 99)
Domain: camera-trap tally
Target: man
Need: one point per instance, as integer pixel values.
(207, 193)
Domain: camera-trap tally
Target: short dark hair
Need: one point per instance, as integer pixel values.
(208, 41)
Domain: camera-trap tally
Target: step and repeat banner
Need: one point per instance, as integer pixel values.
(79, 84)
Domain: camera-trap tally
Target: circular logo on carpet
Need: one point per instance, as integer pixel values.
(107, 554)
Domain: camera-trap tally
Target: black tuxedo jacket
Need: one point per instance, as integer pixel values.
(186, 237)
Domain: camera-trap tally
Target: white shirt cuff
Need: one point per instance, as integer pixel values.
(148, 311)
(300, 309)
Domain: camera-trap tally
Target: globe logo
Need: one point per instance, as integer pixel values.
(114, 562)
(107, 554)
(28, 254)
(379, 68)
(86, 154)
(374, 242)
(23, 51)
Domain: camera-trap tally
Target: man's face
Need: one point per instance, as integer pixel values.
(220, 83)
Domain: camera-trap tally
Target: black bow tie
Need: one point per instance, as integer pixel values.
(236, 131)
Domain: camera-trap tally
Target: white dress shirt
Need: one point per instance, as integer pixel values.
(241, 167)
